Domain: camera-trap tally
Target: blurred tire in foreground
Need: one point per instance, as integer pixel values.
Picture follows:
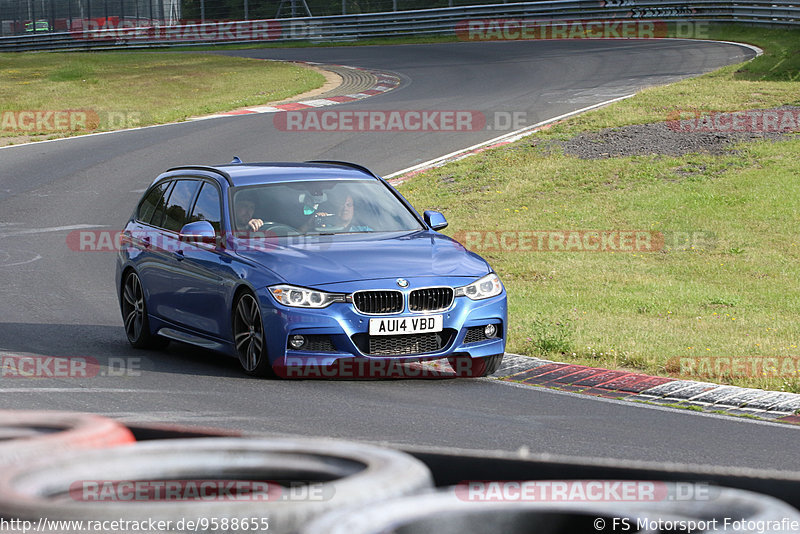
(32, 434)
(216, 483)
(450, 511)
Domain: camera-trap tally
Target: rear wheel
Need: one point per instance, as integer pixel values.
(466, 367)
(134, 315)
(248, 336)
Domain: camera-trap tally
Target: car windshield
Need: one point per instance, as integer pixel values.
(320, 207)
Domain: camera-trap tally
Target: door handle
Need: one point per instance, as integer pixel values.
(179, 255)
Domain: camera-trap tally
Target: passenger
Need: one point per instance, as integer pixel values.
(338, 215)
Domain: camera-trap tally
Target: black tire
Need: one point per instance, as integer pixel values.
(134, 315)
(248, 336)
(493, 363)
(342, 474)
(466, 367)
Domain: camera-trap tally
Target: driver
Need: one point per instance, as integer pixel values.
(243, 211)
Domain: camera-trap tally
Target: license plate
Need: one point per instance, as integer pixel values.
(393, 326)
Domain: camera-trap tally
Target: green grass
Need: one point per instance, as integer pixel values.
(747, 416)
(689, 407)
(141, 88)
(734, 294)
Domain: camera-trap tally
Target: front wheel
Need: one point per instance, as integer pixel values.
(134, 316)
(466, 367)
(248, 336)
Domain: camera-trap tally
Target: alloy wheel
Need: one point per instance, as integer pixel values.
(248, 333)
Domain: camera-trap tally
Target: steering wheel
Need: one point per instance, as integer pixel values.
(279, 229)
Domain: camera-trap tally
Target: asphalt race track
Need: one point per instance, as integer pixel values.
(58, 302)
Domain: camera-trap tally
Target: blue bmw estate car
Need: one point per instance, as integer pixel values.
(297, 266)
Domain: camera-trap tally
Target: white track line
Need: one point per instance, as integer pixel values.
(79, 390)
(51, 229)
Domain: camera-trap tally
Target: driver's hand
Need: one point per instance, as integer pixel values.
(255, 224)
(323, 219)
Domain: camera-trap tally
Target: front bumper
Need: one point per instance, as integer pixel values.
(349, 349)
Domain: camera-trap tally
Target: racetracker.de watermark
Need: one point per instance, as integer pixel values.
(380, 121)
(164, 241)
(310, 367)
(475, 240)
(756, 120)
(37, 366)
(400, 120)
(561, 240)
(523, 29)
(581, 491)
(482, 241)
(197, 490)
(740, 366)
(46, 121)
(185, 30)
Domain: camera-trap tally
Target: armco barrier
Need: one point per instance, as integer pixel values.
(440, 21)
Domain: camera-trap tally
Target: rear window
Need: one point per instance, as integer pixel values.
(179, 204)
(151, 203)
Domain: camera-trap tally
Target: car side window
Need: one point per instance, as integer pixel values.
(151, 203)
(179, 204)
(207, 207)
(158, 216)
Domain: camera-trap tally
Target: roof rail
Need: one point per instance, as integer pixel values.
(344, 164)
(204, 168)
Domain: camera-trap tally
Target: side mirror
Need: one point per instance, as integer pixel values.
(434, 219)
(198, 232)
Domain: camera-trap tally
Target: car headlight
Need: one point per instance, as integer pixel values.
(488, 286)
(300, 297)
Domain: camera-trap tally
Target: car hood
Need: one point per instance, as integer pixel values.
(318, 260)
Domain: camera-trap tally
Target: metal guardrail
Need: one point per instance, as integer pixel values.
(440, 21)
